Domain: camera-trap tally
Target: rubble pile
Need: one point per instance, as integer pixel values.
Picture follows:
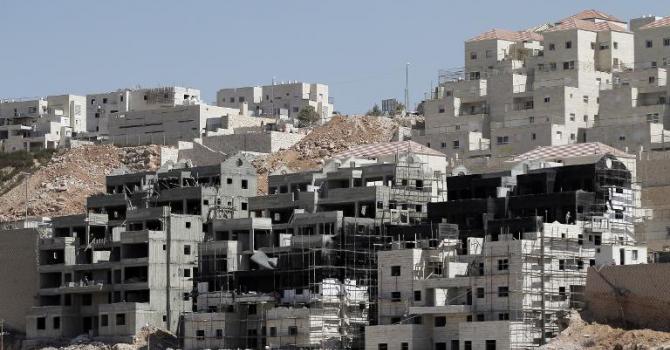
(147, 338)
(336, 136)
(582, 335)
(61, 186)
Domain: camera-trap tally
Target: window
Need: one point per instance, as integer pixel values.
(104, 320)
(649, 44)
(292, 330)
(585, 98)
(533, 136)
(440, 321)
(404, 346)
(120, 319)
(552, 65)
(440, 346)
(568, 44)
(552, 47)
(568, 65)
(580, 264)
(561, 264)
(187, 250)
(273, 331)
(200, 334)
(187, 272)
(396, 296)
(395, 270)
(490, 345)
(586, 118)
(633, 254)
(480, 318)
(188, 224)
(441, 109)
(531, 120)
(480, 293)
(417, 293)
(229, 181)
(245, 184)
(666, 42)
(443, 145)
(622, 137)
(41, 323)
(219, 334)
(456, 144)
(572, 117)
(243, 206)
(241, 99)
(56, 322)
(503, 264)
(593, 45)
(503, 316)
(382, 346)
(547, 99)
(503, 292)
(502, 140)
(615, 45)
(473, 55)
(572, 136)
(652, 79)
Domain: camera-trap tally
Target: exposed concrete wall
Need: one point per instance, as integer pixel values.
(632, 296)
(18, 266)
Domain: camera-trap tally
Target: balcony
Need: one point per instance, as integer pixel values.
(444, 309)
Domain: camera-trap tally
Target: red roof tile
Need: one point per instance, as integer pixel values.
(503, 34)
(592, 14)
(375, 150)
(574, 23)
(569, 151)
(663, 22)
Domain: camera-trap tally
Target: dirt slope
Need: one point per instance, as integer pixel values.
(60, 186)
(338, 135)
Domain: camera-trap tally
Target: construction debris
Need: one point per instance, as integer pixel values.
(582, 335)
(60, 187)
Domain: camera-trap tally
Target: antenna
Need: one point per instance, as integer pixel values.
(407, 86)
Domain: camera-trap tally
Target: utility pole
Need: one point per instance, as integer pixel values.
(407, 86)
(26, 177)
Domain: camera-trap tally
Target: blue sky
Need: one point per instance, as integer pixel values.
(358, 47)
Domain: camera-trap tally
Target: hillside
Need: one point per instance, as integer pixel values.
(60, 182)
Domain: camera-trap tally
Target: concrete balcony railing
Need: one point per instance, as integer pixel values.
(443, 309)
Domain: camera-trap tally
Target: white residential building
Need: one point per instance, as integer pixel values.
(283, 99)
(102, 107)
(43, 123)
(523, 89)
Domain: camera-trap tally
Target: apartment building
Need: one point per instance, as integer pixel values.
(309, 246)
(109, 282)
(43, 123)
(132, 258)
(101, 107)
(526, 237)
(282, 99)
(523, 89)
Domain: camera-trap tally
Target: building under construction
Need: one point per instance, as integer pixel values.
(527, 236)
(307, 258)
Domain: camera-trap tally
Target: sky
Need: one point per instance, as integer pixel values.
(358, 47)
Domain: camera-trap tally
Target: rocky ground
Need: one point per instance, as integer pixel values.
(580, 334)
(336, 136)
(61, 185)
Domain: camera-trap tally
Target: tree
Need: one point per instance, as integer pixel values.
(399, 109)
(307, 116)
(375, 111)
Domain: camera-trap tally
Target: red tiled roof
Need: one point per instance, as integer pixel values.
(569, 151)
(663, 22)
(592, 14)
(574, 23)
(504, 34)
(375, 150)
